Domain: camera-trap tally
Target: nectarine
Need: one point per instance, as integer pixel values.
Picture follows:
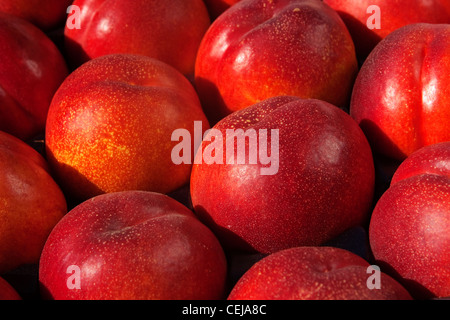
(306, 186)
(46, 15)
(315, 273)
(31, 70)
(368, 24)
(31, 203)
(132, 245)
(259, 49)
(402, 93)
(169, 30)
(110, 123)
(410, 225)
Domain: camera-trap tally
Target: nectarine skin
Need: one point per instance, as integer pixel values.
(169, 30)
(31, 203)
(7, 292)
(394, 14)
(46, 15)
(132, 245)
(324, 184)
(314, 273)
(110, 123)
(261, 49)
(402, 93)
(31, 70)
(409, 234)
(432, 159)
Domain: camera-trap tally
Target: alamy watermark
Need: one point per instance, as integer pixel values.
(74, 279)
(374, 21)
(374, 280)
(74, 17)
(240, 147)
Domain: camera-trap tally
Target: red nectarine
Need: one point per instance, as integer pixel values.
(132, 245)
(31, 70)
(46, 15)
(368, 25)
(311, 177)
(31, 203)
(315, 273)
(259, 49)
(7, 292)
(169, 30)
(432, 159)
(410, 225)
(110, 123)
(402, 93)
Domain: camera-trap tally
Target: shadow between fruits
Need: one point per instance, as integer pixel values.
(230, 241)
(74, 53)
(382, 141)
(354, 240)
(77, 179)
(182, 195)
(385, 166)
(364, 39)
(209, 90)
(417, 291)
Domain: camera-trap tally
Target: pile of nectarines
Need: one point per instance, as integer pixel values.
(224, 150)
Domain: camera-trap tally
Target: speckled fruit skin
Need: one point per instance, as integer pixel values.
(324, 184)
(410, 226)
(217, 7)
(394, 14)
(169, 30)
(402, 93)
(110, 124)
(133, 245)
(433, 159)
(313, 273)
(31, 203)
(7, 292)
(46, 15)
(259, 49)
(31, 69)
